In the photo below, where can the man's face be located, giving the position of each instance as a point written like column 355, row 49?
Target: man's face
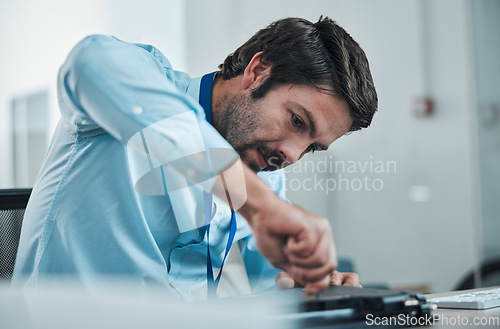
column 278, row 129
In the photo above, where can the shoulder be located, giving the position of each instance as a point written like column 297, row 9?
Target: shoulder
column 102, row 46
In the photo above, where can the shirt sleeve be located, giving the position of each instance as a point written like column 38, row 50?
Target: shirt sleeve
column 111, row 86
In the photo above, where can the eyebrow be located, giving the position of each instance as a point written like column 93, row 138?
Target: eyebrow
column 312, row 125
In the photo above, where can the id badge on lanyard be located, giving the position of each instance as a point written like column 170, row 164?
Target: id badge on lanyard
column 212, row 283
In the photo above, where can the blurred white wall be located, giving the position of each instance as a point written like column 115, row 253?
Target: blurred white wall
column 419, row 218
column 36, row 36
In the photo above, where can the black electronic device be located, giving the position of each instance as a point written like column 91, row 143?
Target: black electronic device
column 353, row 307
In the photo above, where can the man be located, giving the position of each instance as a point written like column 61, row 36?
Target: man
column 141, row 181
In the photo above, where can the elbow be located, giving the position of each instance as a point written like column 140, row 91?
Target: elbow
column 88, row 56
column 89, row 52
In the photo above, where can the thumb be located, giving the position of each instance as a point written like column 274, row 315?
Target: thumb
column 284, row 281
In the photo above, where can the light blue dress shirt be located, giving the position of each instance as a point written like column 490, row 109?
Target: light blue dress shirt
column 85, row 217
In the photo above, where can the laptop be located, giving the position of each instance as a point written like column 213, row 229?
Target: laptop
column 353, row 307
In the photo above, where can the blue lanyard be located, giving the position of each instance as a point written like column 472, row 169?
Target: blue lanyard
column 206, row 102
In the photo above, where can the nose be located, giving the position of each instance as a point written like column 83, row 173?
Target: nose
column 292, row 150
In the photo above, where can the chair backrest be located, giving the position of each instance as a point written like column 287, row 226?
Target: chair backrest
column 12, row 205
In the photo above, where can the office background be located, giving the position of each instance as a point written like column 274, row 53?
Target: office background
column 413, row 200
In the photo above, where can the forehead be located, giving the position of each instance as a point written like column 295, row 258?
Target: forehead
column 329, row 115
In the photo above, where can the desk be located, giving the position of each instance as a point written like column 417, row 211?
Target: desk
column 65, row 304
column 114, row 305
column 457, row 318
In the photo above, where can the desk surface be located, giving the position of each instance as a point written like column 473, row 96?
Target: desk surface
column 64, row 304
column 458, row 318
column 68, row 306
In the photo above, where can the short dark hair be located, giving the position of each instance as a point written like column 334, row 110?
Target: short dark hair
column 321, row 54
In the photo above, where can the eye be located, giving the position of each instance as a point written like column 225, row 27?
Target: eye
column 297, row 121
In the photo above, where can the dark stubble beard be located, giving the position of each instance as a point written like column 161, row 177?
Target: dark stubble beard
column 238, row 123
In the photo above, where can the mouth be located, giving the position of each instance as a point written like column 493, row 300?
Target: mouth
column 262, row 161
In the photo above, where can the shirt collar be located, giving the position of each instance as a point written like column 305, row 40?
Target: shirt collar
column 205, row 98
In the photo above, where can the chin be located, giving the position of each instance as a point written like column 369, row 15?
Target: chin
column 254, row 166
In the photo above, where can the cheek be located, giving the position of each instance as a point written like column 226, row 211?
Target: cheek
column 269, row 131
column 269, row 124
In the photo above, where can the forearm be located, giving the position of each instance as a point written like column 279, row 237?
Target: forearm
column 243, row 190
column 259, row 195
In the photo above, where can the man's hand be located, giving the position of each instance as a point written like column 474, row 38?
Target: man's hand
column 297, row 242
column 285, row 281
column 291, row 238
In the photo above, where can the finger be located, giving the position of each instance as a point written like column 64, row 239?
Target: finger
column 305, row 242
column 323, row 253
column 317, row 286
column 336, row 278
column 301, row 246
column 284, row 281
column 305, row 275
column 350, row 279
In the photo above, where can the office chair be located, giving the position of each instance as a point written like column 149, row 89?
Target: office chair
column 12, row 205
column 490, row 276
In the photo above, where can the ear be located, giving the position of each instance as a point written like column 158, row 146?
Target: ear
column 255, row 72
